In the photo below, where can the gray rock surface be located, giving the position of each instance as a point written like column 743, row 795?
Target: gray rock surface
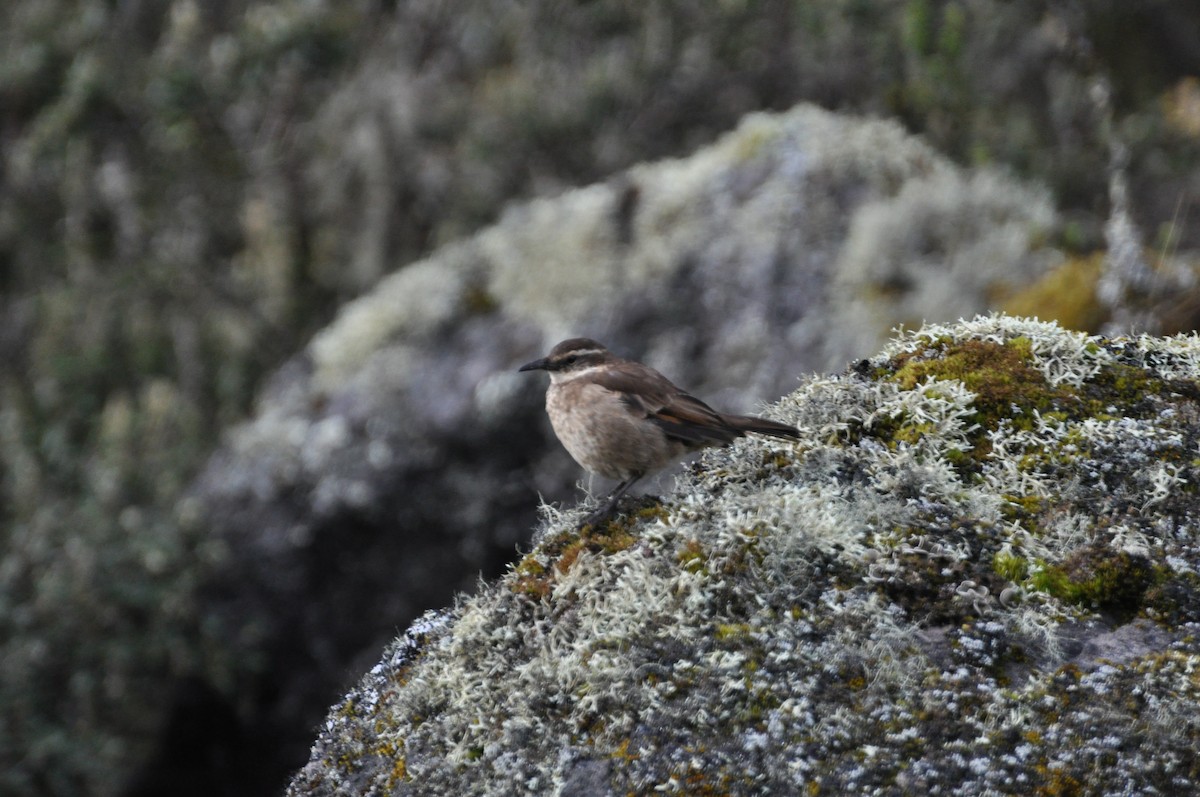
column 976, row 573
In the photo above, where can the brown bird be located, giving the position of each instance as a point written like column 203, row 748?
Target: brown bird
column 623, row 420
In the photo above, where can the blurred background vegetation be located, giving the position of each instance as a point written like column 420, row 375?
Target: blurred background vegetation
column 188, row 190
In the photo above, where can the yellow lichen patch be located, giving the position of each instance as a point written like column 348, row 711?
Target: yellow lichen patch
column 1066, row 294
column 1058, row 783
column 1181, row 106
column 399, row 771
column 622, row 752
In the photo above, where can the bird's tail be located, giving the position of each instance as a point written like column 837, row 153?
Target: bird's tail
column 749, row 423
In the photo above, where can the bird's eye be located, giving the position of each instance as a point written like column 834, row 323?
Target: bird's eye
column 570, row 360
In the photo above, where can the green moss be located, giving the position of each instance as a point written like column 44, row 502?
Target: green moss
column 1003, row 379
column 692, row 557
column 531, row 579
column 1001, row 375
column 747, row 555
column 731, row 631
column 1099, row 577
column 762, row 702
column 1010, row 567
column 959, row 458
column 1022, row 507
column 1126, row 386
column 535, row 574
column 924, row 585
column 1010, row 391
column 1175, row 599
column 911, row 433
column 645, row 514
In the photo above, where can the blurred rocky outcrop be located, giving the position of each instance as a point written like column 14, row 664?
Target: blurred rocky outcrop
column 977, row 572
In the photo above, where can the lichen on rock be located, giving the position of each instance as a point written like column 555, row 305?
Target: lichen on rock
column 978, row 576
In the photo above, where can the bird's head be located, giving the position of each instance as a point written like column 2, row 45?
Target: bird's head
column 571, row 357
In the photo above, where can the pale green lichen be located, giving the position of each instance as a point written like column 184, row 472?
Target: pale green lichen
column 409, row 303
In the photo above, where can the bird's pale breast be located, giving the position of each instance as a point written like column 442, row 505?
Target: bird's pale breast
column 603, row 435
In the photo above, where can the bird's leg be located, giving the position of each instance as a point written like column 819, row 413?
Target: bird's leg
column 610, row 502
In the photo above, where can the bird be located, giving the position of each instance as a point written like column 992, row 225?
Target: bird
column 623, row 420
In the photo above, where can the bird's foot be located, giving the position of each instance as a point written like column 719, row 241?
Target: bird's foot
column 609, row 510
column 606, row 511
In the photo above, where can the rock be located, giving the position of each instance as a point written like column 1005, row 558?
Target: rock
column 735, row 637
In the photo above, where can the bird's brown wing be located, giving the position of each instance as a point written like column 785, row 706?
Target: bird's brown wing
column 680, row 416
column 688, row 419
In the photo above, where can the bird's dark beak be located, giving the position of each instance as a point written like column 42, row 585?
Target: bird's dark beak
column 536, row 365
